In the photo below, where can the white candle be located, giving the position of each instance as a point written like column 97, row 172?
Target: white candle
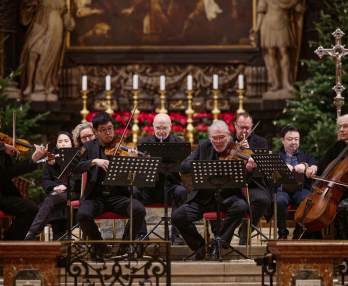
column 162, row 82
column 135, row 81
column 189, row 82
column 240, row 81
column 215, row 81
column 84, row 82
column 108, row 82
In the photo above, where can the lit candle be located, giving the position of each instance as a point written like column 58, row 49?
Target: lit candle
column 189, row 82
column 162, row 82
column 135, row 81
column 108, row 82
column 240, row 81
column 84, row 82
column 215, row 81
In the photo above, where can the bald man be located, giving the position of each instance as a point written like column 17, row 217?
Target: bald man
column 177, row 194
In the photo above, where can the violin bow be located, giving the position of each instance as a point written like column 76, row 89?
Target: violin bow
column 252, row 130
column 14, row 128
column 124, row 131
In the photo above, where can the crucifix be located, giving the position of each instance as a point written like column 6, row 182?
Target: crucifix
column 337, row 52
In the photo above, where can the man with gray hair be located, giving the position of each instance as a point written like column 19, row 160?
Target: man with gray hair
column 234, row 203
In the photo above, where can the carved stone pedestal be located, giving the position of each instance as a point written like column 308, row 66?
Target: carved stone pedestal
column 41, row 256
column 296, row 256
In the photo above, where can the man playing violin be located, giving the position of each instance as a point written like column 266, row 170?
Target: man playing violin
column 260, row 196
column 98, row 198
column 234, row 203
column 11, row 202
column 177, row 193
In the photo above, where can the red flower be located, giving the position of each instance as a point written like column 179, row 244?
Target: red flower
column 90, row 116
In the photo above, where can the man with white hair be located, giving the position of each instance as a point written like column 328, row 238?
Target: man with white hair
column 234, row 203
column 171, row 183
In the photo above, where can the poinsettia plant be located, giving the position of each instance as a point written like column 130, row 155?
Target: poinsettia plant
column 201, row 122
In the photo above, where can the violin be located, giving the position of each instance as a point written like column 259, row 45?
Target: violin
column 122, row 150
column 318, row 209
column 22, row 146
column 234, row 152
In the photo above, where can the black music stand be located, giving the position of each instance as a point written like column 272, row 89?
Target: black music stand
column 130, row 172
column 172, row 154
column 216, row 176
column 277, row 173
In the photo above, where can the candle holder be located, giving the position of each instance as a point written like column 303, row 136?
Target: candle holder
column 135, row 126
column 216, row 111
column 84, row 112
column 163, row 102
column 189, row 112
column 241, row 93
column 108, row 96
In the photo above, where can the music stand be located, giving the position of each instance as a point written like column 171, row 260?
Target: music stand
column 215, row 176
column 131, row 172
column 276, row 172
column 172, row 154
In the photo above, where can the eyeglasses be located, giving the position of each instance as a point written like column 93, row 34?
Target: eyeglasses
column 106, row 130
column 161, row 128
column 218, row 138
column 87, row 137
column 243, row 127
column 344, row 126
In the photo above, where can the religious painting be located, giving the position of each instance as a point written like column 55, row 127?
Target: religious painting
column 161, row 25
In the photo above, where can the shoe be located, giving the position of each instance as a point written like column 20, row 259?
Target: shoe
column 200, row 253
column 242, row 233
column 30, row 236
column 283, row 234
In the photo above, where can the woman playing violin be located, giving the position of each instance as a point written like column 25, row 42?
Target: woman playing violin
column 11, row 203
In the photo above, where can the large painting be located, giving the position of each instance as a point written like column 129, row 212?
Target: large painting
column 160, row 25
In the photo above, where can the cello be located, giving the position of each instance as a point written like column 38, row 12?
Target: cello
column 318, row 209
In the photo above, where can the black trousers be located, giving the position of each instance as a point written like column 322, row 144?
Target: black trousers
column 23, row 211
column 120, row 204
column 53, row 203
column 185, row 216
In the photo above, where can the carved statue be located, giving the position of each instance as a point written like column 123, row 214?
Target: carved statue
column 280, row 25
column 43, row 50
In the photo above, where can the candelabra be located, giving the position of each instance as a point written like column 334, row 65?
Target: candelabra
column 216, row 111
column 108, row 96
column 189, row 112
column 84, row 112
column 241, row 93
column 163, row 102
column 135, row 127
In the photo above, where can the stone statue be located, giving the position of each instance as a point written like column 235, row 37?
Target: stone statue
column 43, row 50
column 280, row 25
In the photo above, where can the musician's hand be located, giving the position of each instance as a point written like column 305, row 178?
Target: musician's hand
column 300, row 168
column 250, row 165
column 244, row 144
column 40, row 151
column 311, row 171
column 60, row 189
column 101, row 163
column 132, row 152
column 10, row 150
column 290, row 167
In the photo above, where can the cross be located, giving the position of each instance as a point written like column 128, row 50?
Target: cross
column 338, row 52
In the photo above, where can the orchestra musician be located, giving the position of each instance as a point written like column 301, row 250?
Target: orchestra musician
column 234, row 203
column 171, row 183
column 53, row 208
column 259, row 194
column 11, row 203
column 83, row 133
column 98, row 198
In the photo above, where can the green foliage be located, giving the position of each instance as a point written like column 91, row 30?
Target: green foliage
column 312, row 109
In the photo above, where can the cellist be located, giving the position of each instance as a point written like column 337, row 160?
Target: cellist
column 331, row 154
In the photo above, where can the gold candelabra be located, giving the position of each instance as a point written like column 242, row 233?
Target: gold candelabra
column 216, row 111
column 108, row 97
column 163, row 102
column 84, row 112
column 135, row 126
column 241, row 93
column 189, row 112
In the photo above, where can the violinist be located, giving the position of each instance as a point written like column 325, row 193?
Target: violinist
column 234, row 203
column 177, row 193
column 83, row 133
column 98, row 198
column 11, row 202
column 260, row 196
column 297, row 161
column 341, row 221
column 53, row 208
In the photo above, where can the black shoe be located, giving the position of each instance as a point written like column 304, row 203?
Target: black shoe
column 200, row 253
column 30, row 236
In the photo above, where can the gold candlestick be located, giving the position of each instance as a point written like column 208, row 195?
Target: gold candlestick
column 163, row 102
column 135, row 126
column 216, row 111
column 108, row 96
column 189, row 112
column 84, row 112
column 241, row 93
